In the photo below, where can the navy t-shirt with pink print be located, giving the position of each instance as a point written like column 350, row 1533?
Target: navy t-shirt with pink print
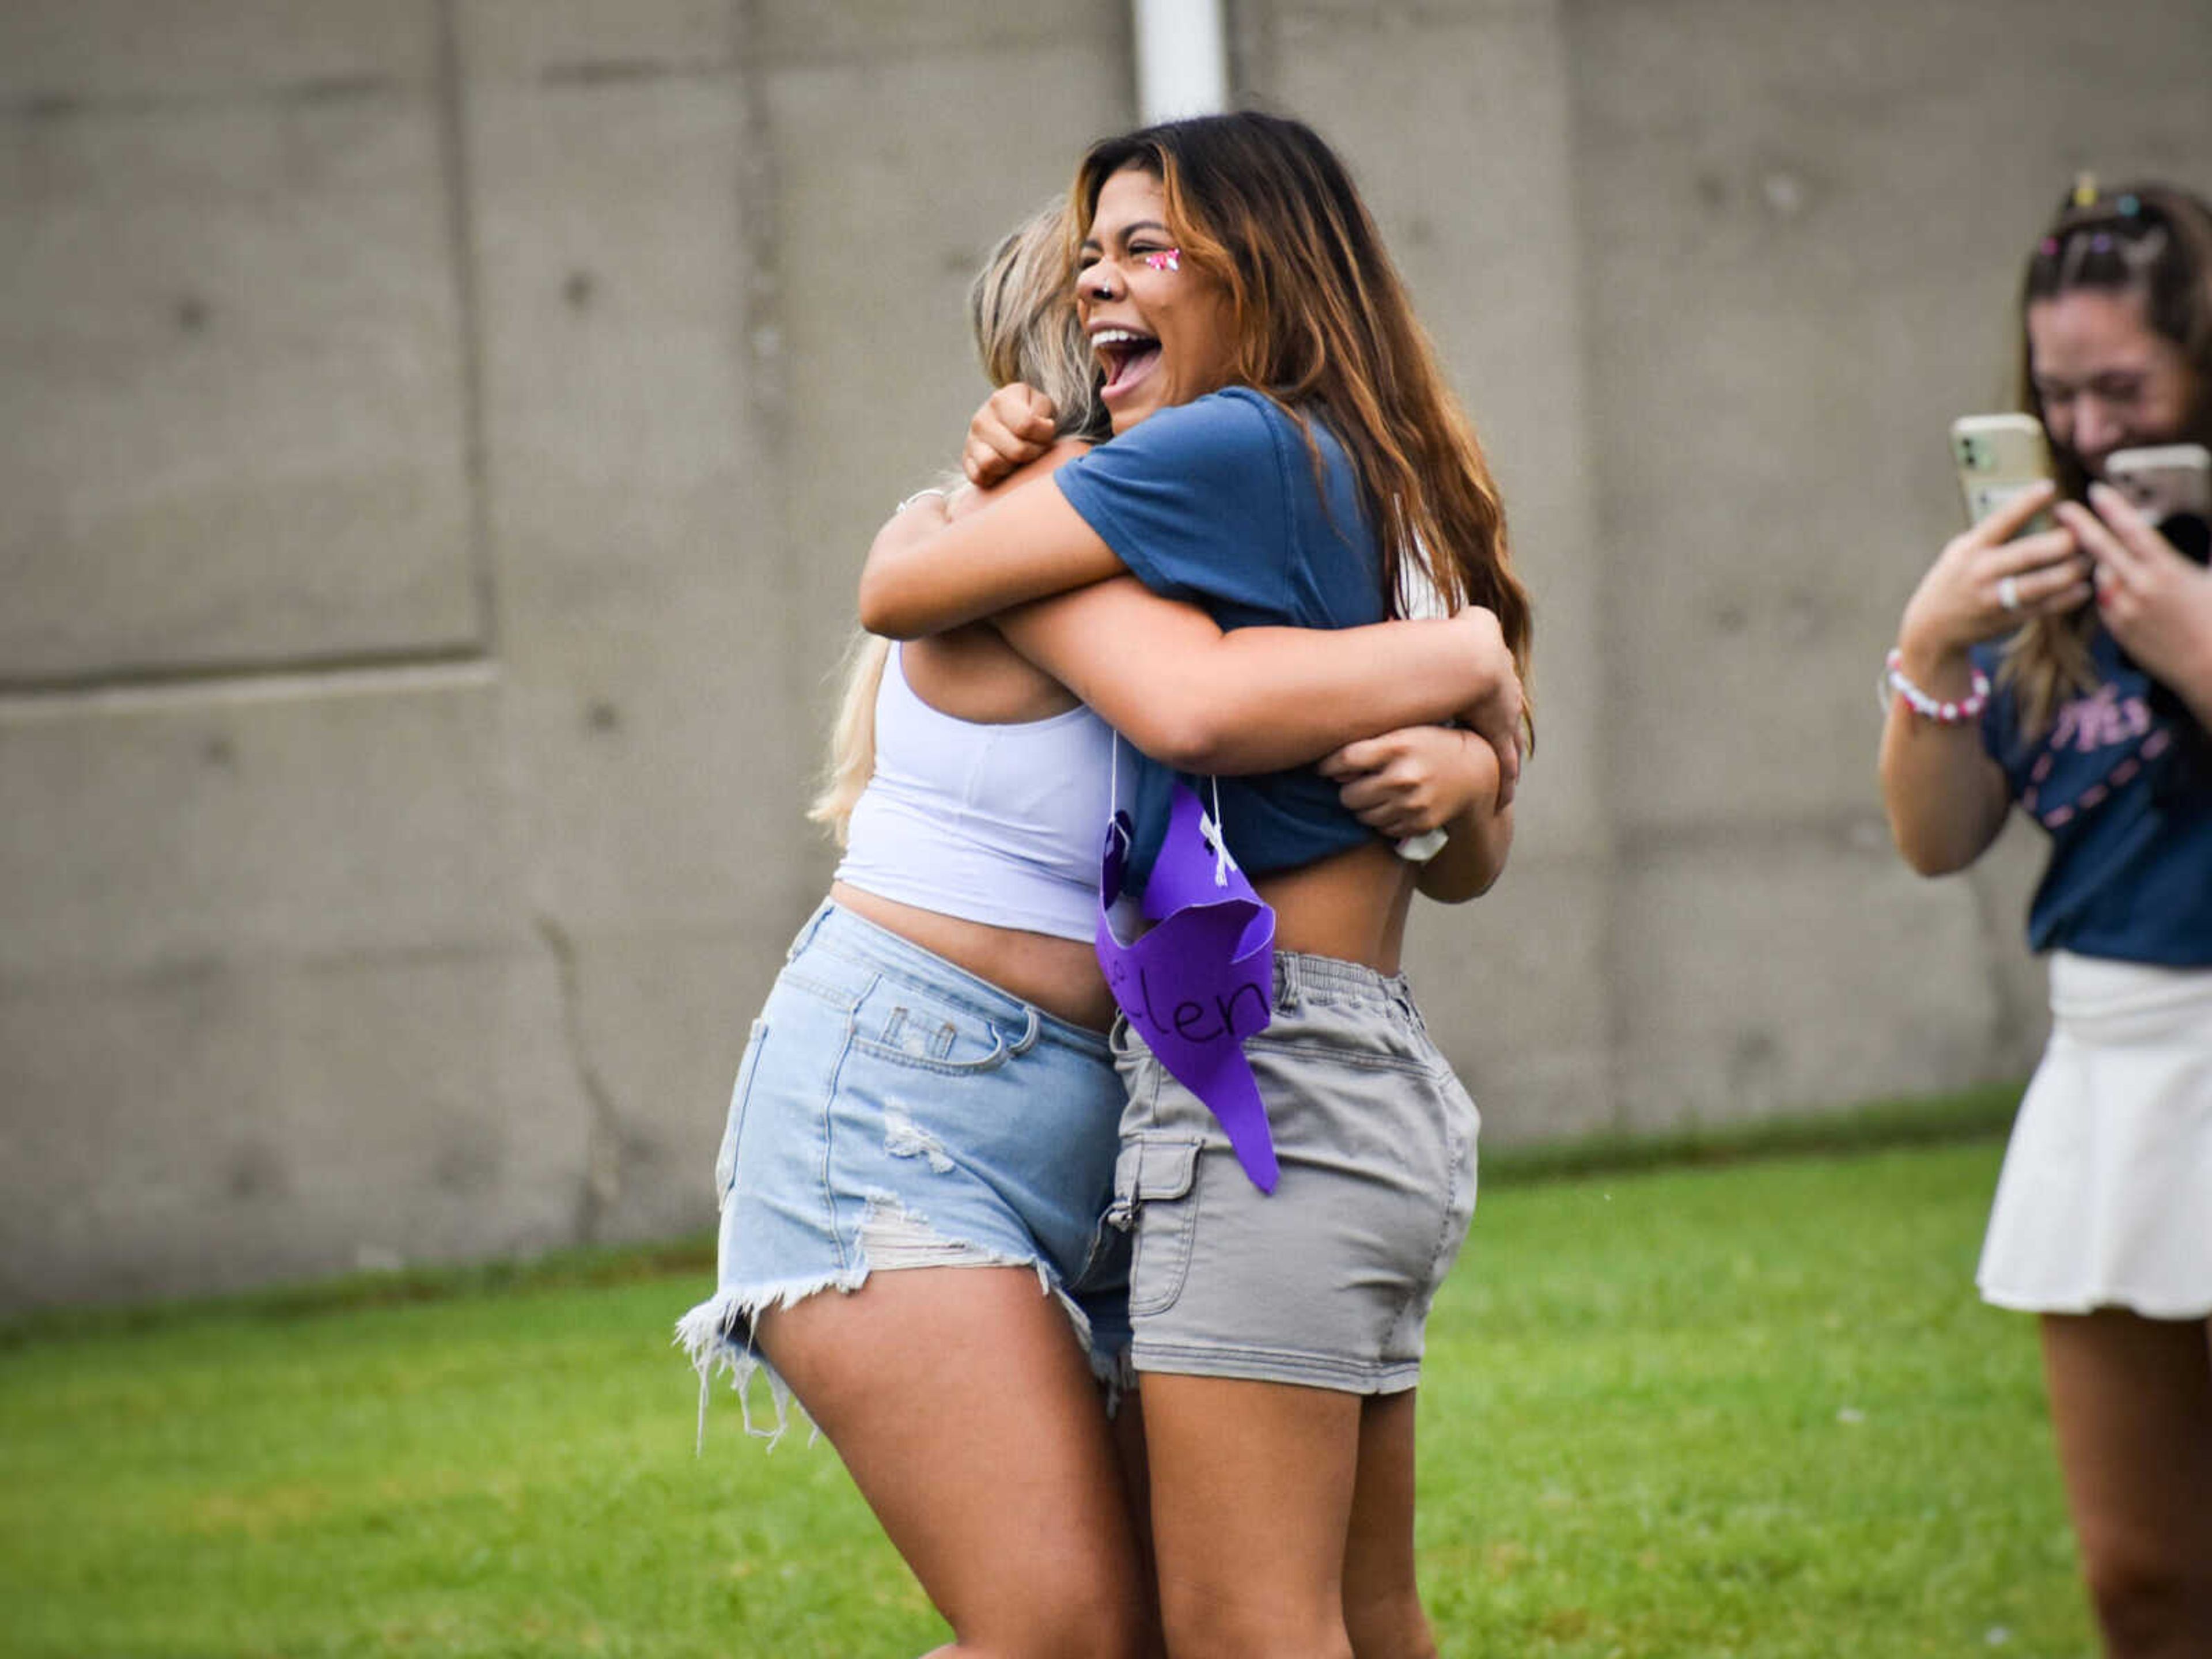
column 2122, row 783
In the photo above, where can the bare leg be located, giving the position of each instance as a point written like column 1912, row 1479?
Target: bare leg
column 2131, row 1402
column 968, row 1415
column 1382, row 1599
column 1136, row 1482
column 1252, row 1490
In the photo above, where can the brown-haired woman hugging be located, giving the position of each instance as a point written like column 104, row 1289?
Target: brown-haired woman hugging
column 1284, row 451
column 921, row 1141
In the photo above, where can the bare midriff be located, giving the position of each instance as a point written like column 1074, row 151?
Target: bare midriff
column 1351, row 905
column 1060, row 976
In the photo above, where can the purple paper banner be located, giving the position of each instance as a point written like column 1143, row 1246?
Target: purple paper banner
column 1201, row 980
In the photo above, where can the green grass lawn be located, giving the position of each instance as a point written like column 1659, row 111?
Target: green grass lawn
column 1748, row 1410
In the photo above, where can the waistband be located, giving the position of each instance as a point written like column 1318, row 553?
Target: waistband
column 2102, row 998
column 837, row 931
column 1300, row 977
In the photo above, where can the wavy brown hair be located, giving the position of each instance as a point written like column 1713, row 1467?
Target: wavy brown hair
column 1323, row 326
column 2154, row 241
column 1025, row 330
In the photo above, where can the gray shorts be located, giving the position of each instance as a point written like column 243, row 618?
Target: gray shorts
column 1326, row 1282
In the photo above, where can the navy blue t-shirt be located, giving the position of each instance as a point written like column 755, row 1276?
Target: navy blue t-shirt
column 1215, row 502
column 2122, row 783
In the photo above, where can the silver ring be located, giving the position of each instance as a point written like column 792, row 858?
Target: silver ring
column 2008, row 593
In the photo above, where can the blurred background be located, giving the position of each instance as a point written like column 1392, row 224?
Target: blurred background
column 438, row 440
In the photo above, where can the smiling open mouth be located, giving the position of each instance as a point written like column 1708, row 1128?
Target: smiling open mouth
column 1126, row 355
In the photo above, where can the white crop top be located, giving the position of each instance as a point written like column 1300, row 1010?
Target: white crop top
column 1001, row 824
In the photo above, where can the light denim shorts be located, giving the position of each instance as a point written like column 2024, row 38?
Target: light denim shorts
column 1326, row 1282
column 893, row 1110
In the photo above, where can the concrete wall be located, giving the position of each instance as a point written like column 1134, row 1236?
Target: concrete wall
column 439, row 438
column 1803, row 227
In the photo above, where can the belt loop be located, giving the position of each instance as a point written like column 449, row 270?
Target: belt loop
column 807, row 931
column 1404, row 1000
column 1286, row 979
column 1030, row 1033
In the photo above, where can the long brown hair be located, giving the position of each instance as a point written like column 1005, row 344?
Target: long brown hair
column 1025, row 330
column 2154, row 241
column 1264, row 206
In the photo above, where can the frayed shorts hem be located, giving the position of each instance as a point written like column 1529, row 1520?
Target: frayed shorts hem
column 717, row 1338
column 708, row 1335
column 1244, row 1365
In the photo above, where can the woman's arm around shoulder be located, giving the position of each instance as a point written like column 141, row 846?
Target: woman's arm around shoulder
column 929, row 569
column 1193, row 696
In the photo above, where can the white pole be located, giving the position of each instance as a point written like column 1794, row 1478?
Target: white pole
column 1183, row 59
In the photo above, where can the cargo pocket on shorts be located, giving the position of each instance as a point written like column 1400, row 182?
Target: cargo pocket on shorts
column 1155, row 1200
column 726, row 1161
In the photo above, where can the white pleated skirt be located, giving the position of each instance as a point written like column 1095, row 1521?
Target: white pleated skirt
column 2105, row 1197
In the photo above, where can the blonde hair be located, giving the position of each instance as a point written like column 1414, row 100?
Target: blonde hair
column 1026, row 331
column 2154, row 241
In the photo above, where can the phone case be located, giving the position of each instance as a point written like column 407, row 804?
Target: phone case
column 2158, row 483
column 2171, row 486
column 1997, row 457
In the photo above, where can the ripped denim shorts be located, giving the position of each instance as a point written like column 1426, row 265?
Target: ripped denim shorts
column 893, row 1110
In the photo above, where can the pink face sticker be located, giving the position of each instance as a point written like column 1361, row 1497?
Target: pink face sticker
column 1166, row 259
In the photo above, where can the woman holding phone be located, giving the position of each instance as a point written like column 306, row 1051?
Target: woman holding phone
column 2067, row 671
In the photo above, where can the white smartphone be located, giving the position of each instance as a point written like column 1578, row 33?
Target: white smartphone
column 2171, row 478
column 1997, row 457
column 2171, row 486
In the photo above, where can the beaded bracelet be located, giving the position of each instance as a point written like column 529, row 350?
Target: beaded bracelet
column 1930, row 708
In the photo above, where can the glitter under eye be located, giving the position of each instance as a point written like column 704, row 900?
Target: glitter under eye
column 1165, row 259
